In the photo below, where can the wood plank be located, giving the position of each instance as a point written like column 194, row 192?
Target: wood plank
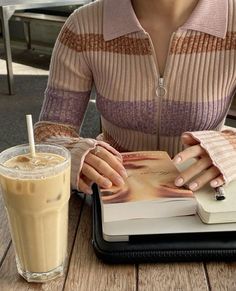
column 5, row 237
column 86, row 272
column 222, row 276
column 172, row 276
column 11, row 280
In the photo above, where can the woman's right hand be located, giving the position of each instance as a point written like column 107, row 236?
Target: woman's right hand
column 103, row 168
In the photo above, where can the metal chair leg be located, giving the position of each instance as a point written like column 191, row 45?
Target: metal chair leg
column 5, row 16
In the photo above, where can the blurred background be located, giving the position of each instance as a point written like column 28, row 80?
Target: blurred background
column 30, row 68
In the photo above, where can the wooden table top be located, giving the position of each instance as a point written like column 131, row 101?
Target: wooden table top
column 85, row 272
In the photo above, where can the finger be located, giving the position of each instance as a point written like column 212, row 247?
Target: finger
column 94, row 176
column 219, row 181
column 111, row 160
column 192, row 152
column 105, row 169
column 206, row 177
column 84, row 187
column 187, row 139
column 86, row 180
column 194, row 170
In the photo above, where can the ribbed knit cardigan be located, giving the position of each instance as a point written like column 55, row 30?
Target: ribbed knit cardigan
column 104, row 44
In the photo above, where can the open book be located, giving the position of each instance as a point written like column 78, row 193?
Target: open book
column 149, row 190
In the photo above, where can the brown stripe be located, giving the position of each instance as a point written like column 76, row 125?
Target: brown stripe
column 43, row 131
column 203, row 43
column 229, row 135
column 95, row 42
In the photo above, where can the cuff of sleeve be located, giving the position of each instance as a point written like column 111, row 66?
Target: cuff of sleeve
column 79, row 152
column 221, row 147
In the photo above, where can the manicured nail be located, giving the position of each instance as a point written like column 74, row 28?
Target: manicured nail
column 124, row 173
column 177, row 160
column 107, row 183
column 119, row 181
column 214, row 183
column 179, row 181
column 193, row 186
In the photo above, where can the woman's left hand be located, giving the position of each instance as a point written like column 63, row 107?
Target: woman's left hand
column 210, row 173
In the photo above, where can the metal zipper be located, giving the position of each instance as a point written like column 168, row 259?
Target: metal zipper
column 161, row 79
column 161, row 89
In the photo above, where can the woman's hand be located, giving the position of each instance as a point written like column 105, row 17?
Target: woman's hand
column 210, row 173
column 103, row 168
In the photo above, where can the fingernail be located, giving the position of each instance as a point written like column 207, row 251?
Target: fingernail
column 193, row 186
column 107, row 183
column 179, row 181
column 214, row 183
column 124, row 173
column 119, row 181
column 177, row 160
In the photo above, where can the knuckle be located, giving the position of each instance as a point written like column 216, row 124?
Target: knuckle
column 99, row 163
column 88, row 157
column 113, row 176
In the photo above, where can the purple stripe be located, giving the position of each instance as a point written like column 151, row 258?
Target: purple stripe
column 178, row 117
column 135, row 115
column 64, row 106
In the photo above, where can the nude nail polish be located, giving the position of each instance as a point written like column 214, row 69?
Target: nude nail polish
column 193, row 186
column 107, row 183
column 177, row 160
column 179, row 181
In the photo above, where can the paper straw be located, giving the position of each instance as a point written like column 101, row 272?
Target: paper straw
column 30, row 134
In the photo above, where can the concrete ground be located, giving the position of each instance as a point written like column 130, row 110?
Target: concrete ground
column 30, row 76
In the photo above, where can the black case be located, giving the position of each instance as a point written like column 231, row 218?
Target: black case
column 163, row 247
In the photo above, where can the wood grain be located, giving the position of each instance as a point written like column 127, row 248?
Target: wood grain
column 222, row 276
column 86, row 272
column 5, row 237
column 11, row 280
column 172, row 276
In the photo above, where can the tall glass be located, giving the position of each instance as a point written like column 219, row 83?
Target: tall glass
column 36, row 202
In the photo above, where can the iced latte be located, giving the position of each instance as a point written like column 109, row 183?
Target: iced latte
column 36, row 191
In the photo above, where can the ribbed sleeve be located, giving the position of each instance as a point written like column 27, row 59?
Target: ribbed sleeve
column 66, row 99
column 79, row 147
column 221, row 147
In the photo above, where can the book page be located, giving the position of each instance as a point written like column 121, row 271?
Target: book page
column 151, row 176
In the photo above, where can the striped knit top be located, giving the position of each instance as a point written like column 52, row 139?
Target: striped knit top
column 104, row 44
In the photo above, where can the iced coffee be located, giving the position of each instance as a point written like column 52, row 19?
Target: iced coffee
column 36, row 191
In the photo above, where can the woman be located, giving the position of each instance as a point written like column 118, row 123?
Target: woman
column 162, row 69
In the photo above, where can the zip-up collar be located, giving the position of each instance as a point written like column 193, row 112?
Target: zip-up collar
column 209, row 16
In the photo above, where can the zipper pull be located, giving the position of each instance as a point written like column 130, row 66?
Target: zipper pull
column 161, row 90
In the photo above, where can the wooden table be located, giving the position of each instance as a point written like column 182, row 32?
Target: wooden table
column 85, row 272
